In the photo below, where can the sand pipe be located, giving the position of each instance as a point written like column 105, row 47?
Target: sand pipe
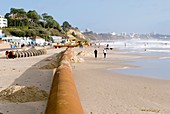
column 29, row 53
column 63, row 98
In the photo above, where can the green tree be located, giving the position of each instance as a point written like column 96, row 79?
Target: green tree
column 13, row 11
column 18, row 33
column 44, row 15
column 50, row 22
column 55, row 32
column 21, row 14
column 29, row 24
column 7, row 15
column 16, row 17
column 66, row 26
column 33, row 16
column 18, row 13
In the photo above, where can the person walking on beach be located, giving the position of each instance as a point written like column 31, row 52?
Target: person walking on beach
column 95, row 53
column 104, row 52
column 107, row 45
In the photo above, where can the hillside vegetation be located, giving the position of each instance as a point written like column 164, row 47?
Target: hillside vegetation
column 29, row 24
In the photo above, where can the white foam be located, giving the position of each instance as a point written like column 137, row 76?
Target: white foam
column 123, row 68
column 164, row 57
column 158, row 50
column 139, row 44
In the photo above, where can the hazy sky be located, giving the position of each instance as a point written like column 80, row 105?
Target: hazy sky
column 142, row 16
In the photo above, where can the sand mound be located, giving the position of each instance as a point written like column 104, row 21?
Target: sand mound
column 84, row 53
column 23, row 94
column 49, row 66
column 52, row 64
column 76, row 59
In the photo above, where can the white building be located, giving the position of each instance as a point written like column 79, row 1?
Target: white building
column 3, row 22
column 57, row 38
column 38, row 40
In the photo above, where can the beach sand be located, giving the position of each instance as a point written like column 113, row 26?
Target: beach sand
column 26, row 72
column 101, row 90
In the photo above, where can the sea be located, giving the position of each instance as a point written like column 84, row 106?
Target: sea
column 148, row 67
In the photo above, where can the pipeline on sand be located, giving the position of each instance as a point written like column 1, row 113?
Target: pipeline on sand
column 63, row 98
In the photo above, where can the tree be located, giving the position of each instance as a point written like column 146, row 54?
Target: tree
column 18, row 13
column 21, row 14
column 29, row 24
column 44, row 15
column 18, row 33
column 7, row 15
column 50, row 22
column 13, row 11
column 33, row 16
column 16, row 17
column 54, row 32
column 66, row 26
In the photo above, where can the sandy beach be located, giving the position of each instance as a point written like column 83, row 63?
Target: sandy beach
column 101, row 90
column 26, row 72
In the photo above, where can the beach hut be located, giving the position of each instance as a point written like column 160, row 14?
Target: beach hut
column 57, row 39
column 11, row 39
column 38, row 40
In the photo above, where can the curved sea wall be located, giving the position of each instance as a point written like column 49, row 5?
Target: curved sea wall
column 63, row 98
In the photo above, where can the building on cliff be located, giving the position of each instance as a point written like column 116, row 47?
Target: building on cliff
column 3, row 22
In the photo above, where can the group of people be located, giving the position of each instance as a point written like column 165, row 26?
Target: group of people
column 14, row 44
column 104, row 52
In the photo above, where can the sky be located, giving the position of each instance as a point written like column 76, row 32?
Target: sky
column 102, row 16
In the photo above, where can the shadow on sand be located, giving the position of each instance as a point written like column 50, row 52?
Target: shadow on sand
column 39, row 76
